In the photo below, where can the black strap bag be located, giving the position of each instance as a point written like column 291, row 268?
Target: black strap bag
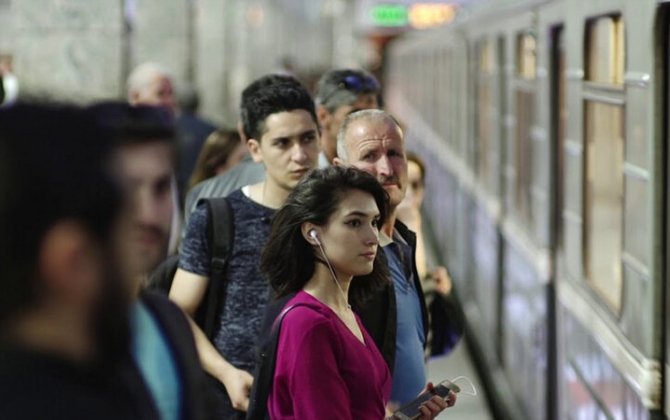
column 220, row 231
column 265, row 370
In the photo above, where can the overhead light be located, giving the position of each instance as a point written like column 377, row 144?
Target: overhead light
column 428, row 15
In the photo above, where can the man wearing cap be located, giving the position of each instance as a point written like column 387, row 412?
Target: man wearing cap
column 340, row 93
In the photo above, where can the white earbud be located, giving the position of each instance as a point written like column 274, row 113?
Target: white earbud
column 314, row 235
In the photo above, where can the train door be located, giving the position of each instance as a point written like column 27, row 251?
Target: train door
column 608, row 334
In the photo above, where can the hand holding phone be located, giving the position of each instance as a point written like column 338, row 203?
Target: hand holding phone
column 411, row 410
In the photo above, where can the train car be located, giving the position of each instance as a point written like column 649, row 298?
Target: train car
column 544, row 124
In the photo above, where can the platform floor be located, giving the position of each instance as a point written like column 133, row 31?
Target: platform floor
column 458, row 363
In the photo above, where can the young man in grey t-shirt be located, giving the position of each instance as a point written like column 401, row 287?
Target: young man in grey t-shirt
column 281, row 127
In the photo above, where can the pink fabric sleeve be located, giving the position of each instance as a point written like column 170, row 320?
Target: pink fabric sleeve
column 317, row 388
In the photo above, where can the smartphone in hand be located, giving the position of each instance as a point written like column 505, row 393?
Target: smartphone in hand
column 411, row 411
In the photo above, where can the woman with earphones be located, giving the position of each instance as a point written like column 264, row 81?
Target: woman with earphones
column 324, row 248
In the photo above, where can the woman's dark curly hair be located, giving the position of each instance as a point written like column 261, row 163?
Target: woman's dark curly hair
column 288, row 259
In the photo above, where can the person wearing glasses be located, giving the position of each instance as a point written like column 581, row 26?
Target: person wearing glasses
column 338, row 94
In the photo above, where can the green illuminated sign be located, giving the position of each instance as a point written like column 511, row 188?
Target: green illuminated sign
column 389, row 15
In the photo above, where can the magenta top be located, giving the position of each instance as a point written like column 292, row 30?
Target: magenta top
column 323, row 371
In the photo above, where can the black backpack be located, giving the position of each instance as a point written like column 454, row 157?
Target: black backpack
column 267, row 359
column 220, row 231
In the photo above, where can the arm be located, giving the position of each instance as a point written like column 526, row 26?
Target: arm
column 188, row 290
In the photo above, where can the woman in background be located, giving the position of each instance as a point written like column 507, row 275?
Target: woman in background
column 222, row 150
column 446, row 326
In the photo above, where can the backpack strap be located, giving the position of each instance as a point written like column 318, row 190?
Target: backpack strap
column 265, row 370
column 221, row 232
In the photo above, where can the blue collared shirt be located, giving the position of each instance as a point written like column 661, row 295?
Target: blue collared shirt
column 409, row 372
column 153, row 356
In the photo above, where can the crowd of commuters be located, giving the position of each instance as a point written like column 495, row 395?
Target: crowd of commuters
column 314, row 191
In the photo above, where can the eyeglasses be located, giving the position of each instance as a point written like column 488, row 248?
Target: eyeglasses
column 356, row 84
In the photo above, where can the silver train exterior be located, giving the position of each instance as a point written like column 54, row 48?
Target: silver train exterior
column 544, row 126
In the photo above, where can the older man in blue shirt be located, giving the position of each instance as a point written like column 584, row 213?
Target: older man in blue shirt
column 396, row 317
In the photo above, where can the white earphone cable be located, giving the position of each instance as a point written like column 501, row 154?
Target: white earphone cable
column 472, row 386
column 332, row 273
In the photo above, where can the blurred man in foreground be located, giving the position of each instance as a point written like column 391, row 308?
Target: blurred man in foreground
column 161, row 341
column 63, row 324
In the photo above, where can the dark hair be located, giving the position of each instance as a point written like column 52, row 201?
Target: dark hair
column 50, row 171
column 269, row 95
column 288, row 259
column 135, row 124
column 215, row 152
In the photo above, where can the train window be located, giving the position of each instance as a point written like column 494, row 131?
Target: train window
column 525, row 97
column 484, row 105
column 604, row 133
column 605, row 50
column 525, row 108
column 486, row 57
column 526, row 56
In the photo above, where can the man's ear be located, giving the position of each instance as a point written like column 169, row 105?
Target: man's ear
column 337, row 161
column 254, row 147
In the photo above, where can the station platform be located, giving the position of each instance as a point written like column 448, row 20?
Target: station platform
column 459, row 363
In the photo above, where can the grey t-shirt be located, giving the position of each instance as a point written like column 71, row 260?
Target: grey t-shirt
column 247, row 291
